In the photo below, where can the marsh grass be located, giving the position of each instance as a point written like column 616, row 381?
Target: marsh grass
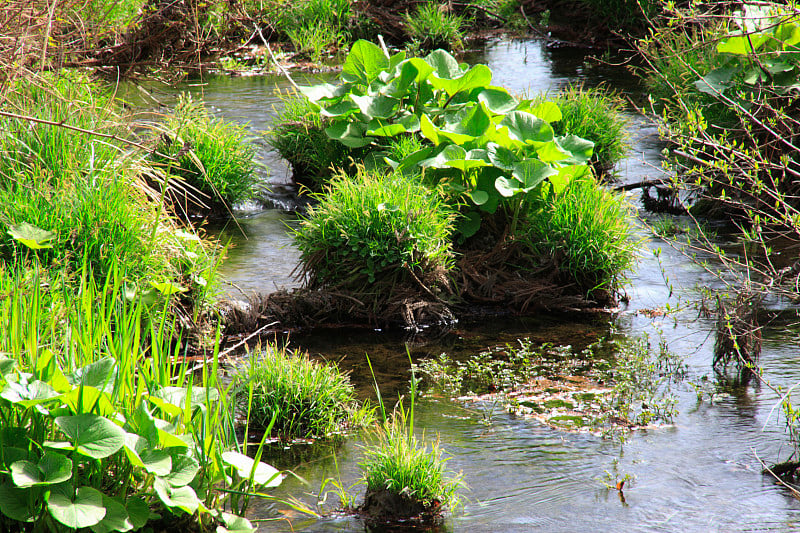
column 293, row 397
column 214, row 156
column 406, row 477
column 432, row 25
column 586, row 234
column 84, row 191
column 594, row 114
column 299, row 137
column 374, row 227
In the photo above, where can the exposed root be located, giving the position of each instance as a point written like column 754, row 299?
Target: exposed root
column 738, row 335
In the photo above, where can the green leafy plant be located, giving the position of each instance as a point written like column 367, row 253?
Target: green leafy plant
column 103, row 427
column 432, row 25
column 593, row 114
column 213, row 157
column 299, row 136
column 292, row 396
column 485, row 148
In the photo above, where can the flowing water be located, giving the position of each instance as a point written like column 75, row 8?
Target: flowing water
column 699, row 474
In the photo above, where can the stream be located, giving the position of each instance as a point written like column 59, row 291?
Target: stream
column 699, row 474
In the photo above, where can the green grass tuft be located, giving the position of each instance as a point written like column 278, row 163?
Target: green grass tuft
column 433, row 26
column 214, row 156
column 307, row 399
column 585, row 232
column 403, row 465
column 374, row 227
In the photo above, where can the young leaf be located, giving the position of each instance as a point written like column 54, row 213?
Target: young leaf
column 527, row 128
column 478, row 76
column 51, row 469
column 498, row 100
column 444, row 65
column 547, row 111
column 364, row 63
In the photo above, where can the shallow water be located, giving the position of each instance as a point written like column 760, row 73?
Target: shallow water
column 699, row 474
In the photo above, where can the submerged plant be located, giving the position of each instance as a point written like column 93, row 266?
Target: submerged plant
column 213, row 157
column 291, row 396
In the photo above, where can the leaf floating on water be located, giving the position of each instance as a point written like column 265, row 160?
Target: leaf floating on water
column 31, row 236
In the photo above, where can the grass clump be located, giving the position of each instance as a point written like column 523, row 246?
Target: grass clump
column 294, row 397
column 585, row 232
column 375, row 228
column 299, row 137
column 213, row 156
column 406, row 468
column 593, row 114
column 433, row 25
column 78, row 199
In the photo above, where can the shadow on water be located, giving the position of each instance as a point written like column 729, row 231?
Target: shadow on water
column 699, row 474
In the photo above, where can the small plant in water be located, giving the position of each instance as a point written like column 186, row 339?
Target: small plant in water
column 404, row 476
column 214, row 157
column 291, row 396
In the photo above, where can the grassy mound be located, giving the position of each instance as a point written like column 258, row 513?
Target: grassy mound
column 585, row 232
column 375, row 234
column 213, row 157
column 304, row 398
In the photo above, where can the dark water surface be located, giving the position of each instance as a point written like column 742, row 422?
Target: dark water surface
column 701, row 474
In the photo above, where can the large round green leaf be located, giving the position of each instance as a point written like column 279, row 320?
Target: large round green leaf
column 83, row 509
column 52, row 468
column 92, row 435
column 14, row 503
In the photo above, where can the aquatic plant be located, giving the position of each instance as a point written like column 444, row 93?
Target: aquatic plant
column 72, row 197
column 375, row 228
column 585, row 231
column 432, row 25
column 103, row 424
column 405, row 477
column 291, row 396
column 593, row 114
column 485, row 149
column 213, row 156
